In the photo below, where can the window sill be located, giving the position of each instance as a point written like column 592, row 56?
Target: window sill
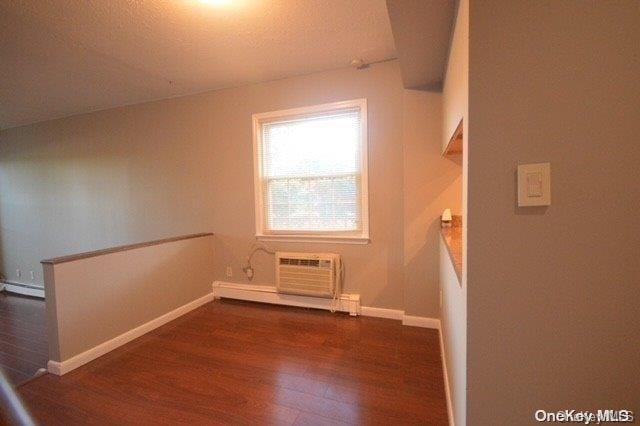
column 328, row 239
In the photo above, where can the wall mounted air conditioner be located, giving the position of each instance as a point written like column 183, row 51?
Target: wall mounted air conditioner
column 309, row 274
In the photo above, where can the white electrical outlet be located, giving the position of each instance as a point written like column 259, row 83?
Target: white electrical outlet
column 229, row 271
column 32, row 274
column 18, row 273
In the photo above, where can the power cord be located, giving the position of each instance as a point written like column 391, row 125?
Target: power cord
column 340, row 270
column 255, row 247
column 339, row 273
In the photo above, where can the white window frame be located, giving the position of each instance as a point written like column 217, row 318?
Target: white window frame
column 262, row 233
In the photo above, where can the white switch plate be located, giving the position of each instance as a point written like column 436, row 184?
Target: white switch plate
column 534, row 185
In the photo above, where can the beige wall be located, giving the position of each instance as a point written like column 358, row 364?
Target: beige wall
column 553, row 292
column 431, row 184
column 454, row 292
column 454, row 335
column 93, row 300
column 185, row 165
column 375, row 270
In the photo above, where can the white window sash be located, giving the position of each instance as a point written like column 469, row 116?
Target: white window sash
column 356, row 231
column 360, row 235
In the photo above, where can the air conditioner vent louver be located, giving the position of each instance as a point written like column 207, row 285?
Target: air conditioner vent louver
column 300, row 262
column 308, row 274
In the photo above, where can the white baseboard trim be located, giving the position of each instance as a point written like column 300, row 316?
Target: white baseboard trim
column 268, row 294
column 447, row 388
column 23, row 289
column 395, row 314
column 421, row 322
column 60, row 368
column 346, row 303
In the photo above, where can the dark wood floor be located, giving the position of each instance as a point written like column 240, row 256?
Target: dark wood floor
column 23, row 338
column 243, row 363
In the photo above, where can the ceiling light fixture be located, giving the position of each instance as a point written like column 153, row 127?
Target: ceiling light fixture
column 359, row 64
column 216, row 2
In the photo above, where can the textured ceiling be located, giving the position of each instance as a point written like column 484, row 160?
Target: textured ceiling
column 422, row 33
column 64, row 57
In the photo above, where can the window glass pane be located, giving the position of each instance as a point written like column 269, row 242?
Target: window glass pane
column 317, row 146
column 316, row 204
column 311, row 173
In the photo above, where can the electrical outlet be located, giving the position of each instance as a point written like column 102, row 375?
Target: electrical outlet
column 441, row 298
column 32, row 275
column 18, row 273
column 229, row 271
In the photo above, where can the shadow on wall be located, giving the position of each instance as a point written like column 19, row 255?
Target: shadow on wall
column 423, row 268
column 424, row 202
column 455, row 159
column 393, row 273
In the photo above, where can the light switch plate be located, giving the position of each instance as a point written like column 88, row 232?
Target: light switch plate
column 534, row 185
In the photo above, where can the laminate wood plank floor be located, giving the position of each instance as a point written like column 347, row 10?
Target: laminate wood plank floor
column 231, row 362
column 23, row 337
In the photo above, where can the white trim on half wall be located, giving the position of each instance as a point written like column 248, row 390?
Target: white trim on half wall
column 60, row 368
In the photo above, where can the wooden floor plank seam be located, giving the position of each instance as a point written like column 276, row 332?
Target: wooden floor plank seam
column 23, row 341
column 231, row 362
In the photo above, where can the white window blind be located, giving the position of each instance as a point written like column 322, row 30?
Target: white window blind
column 311, row 172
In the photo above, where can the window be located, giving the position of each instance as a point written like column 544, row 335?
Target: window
column 311, row 173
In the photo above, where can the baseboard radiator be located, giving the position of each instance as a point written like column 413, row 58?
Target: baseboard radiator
column 311, row 280
column 269, row 294
column 22, row 289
